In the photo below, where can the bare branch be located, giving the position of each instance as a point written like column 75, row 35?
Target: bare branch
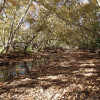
column 3, row 5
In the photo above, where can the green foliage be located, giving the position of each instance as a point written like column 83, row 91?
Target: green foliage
column 49, row 23
column 29, row 51
column 93, row 44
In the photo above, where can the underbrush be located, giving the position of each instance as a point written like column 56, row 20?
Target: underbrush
column 92, row 45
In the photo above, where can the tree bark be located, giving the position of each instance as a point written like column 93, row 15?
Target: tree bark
column 3, row 5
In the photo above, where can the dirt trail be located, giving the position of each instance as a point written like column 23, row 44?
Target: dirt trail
column 74, row 75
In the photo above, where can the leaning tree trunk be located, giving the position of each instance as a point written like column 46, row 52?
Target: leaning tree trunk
column 8, row 49
column 25, row 49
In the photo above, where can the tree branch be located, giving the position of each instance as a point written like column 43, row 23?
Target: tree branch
column 75, row 24
column 2, row 7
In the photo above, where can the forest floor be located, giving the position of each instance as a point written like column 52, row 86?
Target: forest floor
column 73, row 75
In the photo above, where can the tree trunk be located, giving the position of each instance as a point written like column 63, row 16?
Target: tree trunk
column 8, row 49
column 25, row 49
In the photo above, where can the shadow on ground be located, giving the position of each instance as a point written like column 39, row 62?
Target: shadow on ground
column 72, row 76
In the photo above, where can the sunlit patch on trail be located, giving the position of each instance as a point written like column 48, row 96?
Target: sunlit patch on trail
column 88, row 64
column 89, row 70
column 75, row 72
column 66, row 63
column 87, row 74
column 52, row 77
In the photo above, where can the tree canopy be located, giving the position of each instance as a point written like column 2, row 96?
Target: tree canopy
column 37, row 24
